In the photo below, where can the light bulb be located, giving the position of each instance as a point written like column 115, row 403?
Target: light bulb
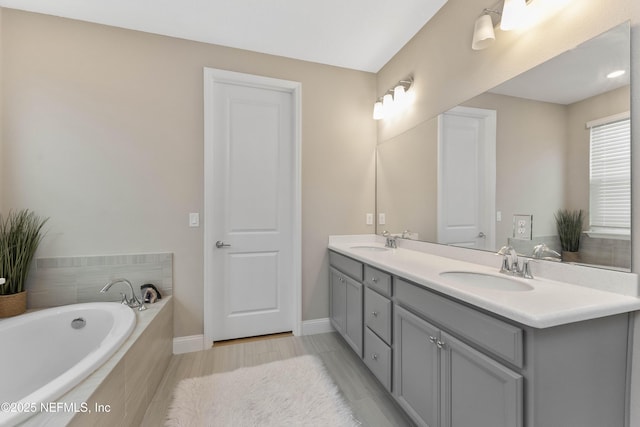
column 513, row 14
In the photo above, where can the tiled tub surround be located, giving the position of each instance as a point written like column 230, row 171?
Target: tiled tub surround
column 127, row 381
column 69, row 280
column 562, row 294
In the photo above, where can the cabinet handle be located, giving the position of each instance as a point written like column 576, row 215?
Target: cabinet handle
column 440, row 344
column 374, row 313
column 374, row 279
column 433, row 340
column 374, row 356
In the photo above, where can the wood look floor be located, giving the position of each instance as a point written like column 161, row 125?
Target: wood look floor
column 371, row 404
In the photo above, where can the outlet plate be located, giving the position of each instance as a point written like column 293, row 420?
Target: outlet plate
column 522, row 227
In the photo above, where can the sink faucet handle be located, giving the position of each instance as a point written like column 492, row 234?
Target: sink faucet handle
column 526, row 269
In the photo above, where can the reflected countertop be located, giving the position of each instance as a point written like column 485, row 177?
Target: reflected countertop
column 546, row 304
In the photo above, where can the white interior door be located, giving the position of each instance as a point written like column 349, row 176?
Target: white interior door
column 466, row 177
column 250, row 208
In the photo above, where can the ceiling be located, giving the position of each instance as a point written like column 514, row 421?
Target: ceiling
column 577, row 74
column 357, row 34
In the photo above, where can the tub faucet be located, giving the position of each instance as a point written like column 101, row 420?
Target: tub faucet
column 132, row 302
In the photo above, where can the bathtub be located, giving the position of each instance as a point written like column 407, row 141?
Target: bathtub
column 43, row 354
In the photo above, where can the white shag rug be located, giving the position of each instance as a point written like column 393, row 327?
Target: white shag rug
column 290, row 392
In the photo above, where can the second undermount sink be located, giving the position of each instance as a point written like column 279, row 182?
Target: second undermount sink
column 371, row 248
column 485, row 281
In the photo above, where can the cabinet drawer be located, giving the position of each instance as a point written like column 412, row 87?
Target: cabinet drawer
column 377, row 356
column 347, row 265
column 498, row 337
column 378, row 280
column 377, row 310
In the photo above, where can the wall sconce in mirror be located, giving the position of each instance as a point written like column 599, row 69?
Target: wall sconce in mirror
column 393, row 100
column 510, row 16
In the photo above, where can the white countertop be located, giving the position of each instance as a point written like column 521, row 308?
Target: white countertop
column 549, row 303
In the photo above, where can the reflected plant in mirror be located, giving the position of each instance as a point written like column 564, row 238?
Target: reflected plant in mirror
column 555, row 137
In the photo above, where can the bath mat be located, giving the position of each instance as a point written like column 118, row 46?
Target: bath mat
column 290, row 392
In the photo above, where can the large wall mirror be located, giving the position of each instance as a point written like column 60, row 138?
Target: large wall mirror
column 495, row 170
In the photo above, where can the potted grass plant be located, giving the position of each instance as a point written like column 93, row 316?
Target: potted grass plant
column 569, row 224
column 20, row 234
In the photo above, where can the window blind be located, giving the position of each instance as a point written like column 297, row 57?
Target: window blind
column 610, row 175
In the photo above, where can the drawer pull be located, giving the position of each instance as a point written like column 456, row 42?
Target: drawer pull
column 374, row 356
column 433, row 340
column 440, row 344
column 374, row 313
column 374, row 279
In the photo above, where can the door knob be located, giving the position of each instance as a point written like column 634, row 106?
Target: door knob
column 481, row 235
column 221, row 244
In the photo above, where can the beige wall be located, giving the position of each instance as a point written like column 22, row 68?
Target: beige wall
column 530, row 161
column 104, row 134
column 407, row 177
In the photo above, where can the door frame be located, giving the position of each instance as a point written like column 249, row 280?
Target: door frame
column 212, row 76
column 490, row 141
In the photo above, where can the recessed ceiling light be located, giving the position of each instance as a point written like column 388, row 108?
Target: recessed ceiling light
column 614, row 74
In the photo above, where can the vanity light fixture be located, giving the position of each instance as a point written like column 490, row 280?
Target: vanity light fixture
column 510, row 16
column 393, row 99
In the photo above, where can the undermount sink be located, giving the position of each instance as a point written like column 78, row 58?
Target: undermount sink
column 371, row 248
column 486, row 281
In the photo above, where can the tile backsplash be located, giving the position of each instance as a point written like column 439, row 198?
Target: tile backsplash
column 69, row 280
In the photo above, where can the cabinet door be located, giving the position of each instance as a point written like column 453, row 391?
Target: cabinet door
column 416, row 367
column 353, row 329
column 338, row 300
column 477, row 391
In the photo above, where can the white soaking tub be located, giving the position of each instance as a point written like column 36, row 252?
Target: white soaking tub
column 45, row 353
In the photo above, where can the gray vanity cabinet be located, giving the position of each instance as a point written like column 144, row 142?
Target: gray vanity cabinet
column 417, row 368
column 346, row 299
column 451, row 364
column 442, row 382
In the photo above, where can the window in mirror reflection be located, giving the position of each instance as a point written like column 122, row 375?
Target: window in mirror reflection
column 610, row 176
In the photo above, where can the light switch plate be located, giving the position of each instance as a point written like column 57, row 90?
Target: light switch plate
column 382, row 219
column 369, row 219
column 194, row 219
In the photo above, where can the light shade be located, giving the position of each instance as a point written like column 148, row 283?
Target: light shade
column 378, row 112
column 483, row 34
column 399, row 94
column 387, row 105
column 513, row 14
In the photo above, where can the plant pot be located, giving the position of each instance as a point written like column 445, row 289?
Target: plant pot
column 13, row 304
column 568, row 256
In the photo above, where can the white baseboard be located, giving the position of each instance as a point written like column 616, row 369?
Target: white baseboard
column 188, row 344
column 193, row 343
column 316, row 326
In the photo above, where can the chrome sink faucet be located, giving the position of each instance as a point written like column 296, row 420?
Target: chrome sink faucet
column 390, row 240
column 511, row 265
column 509, row 260
column 132, row 302
column 542, row 251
